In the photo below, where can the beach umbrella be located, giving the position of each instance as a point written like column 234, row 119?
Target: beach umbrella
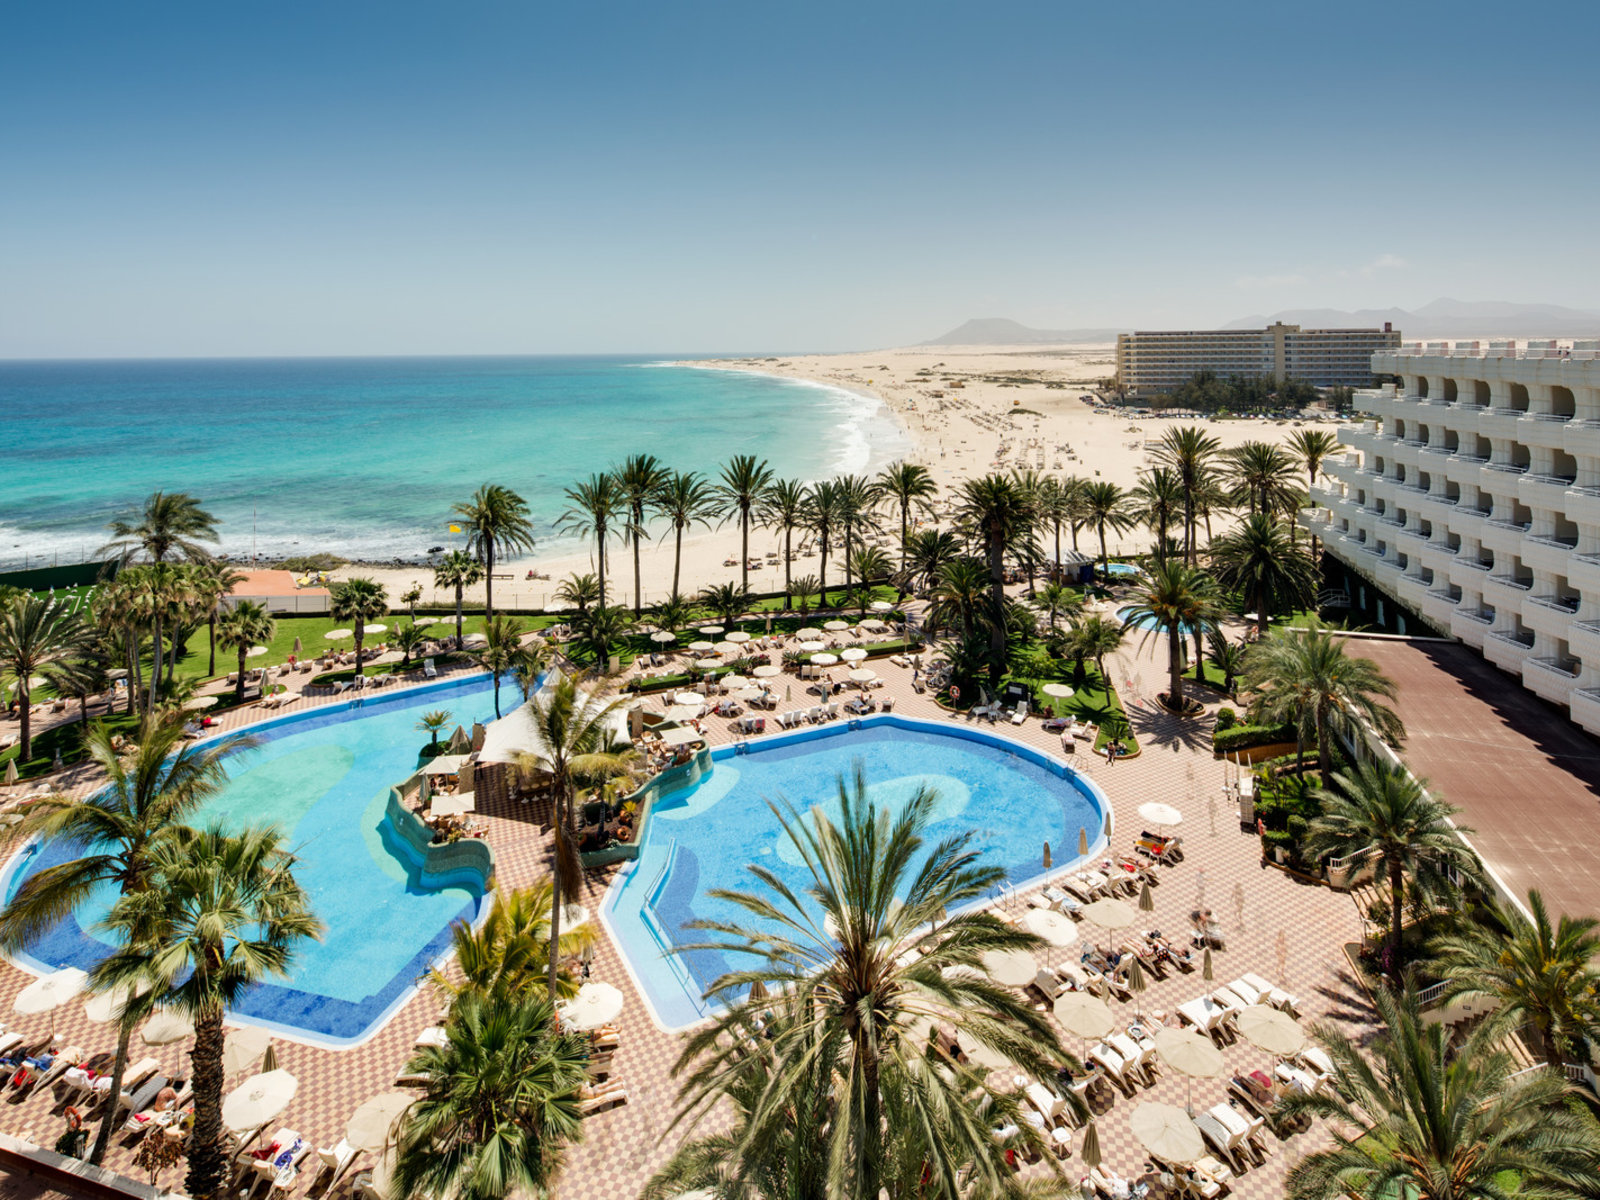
column 701, row 647
column 1052, row 926
column 835, row 626
column 688, row 698
column 244, row 1048
column 1083, row 1015
column 824, row 659
column 1147, row 901
column 1110, row 914
column 853, row 654
column 200, row 703
column 1010, row 968
column 1091, row 1146
column 459, row 742
column 298, row 649
column 1136, row 983
column 378, row 628
column 49, row 992
column 738, row 637
column 1059, row 690
column 255, row 652
column 862, row 674
column 1191, row 1055
column 881, row 606
column 595, row 1005
column 1166, row 1132
column 1083, row 839
column 338, row 635
column 767, row 672
column 1047, row 856
column 165, row 1028
column 104, row 1007
column 11, row 773
column 372, row 1123
column 757, row 993
column 573, row 915
column 1160, row 814
column 808, row 633
column 711, row 630
column 269, row 1060
column 1271, row 1030
column 1205, row 966
column 726, row 648
column 257, row 1100
column 812, row 647
column 661, row 637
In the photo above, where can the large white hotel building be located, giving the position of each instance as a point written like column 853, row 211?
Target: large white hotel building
column 1471, row 495
column 1151, row 362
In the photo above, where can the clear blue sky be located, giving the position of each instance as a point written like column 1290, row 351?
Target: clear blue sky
column 466, row 177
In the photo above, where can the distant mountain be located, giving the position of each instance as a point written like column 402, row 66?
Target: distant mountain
column 1000, row 331
column 1445, row 318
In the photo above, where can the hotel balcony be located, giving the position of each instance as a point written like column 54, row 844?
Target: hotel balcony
column 1544, row 491
column 1500, row 423
column 1585, row 707
column 1546, row 553
column 1584, row 639
column 1551, row 679
column 1549, row 616
column 1507, row 651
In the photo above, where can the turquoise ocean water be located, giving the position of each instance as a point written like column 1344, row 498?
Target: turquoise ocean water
column 364, row 457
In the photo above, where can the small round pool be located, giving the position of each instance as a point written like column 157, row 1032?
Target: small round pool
column 1148, row 622
column 1122, row 570
column 703, row 837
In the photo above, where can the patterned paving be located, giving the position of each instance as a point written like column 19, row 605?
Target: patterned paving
column 1275, row 926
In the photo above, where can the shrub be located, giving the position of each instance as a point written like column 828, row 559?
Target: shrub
column 1242, row 737
column 1226, row 719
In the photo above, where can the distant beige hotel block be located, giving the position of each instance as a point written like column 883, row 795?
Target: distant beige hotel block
column 1152, row 362
column 1471, row 495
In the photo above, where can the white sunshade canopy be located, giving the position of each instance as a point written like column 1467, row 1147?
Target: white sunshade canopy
column 515, row 733
column 257, row 1100
column 1158, row 813
column 593, row 1006
column 50, row 991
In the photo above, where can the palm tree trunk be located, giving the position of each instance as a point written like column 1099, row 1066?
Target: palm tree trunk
column 155, row 667
column 361, row 636
column 677, row 558
column 1396, row 897
column 1324, row 748
column 1105, row 561
column 788, row 553
column 871, row 1121
column 905, row 521
column 997, row 602
column 1188, row 525
column 1056, row 522
column 119, row 1065
column 26, row 718
column 556, row 817
column 638, row 594
column 822, row 570
column 459, row 590
column 744, row 548
column 132, row 658
column 211, row 641
column 488, row 580
column 1174, row 669
column 238, row 691
column 600, row 561
column 208, row 1163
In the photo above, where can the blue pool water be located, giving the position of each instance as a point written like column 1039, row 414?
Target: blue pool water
column 1120, row 570
column 322, row 777
column 1148, row 622
column 703, row 837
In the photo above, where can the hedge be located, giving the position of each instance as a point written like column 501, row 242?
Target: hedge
column 1242, row 737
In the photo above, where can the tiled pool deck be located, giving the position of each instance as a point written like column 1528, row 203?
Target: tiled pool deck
column 1275, row 926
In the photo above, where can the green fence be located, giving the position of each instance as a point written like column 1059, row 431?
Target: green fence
column 42, row 579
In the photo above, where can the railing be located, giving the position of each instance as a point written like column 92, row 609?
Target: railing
column 1562, row 417
column 1516, row 526
column 1429, row 997
column 1559, row 603
column 1477, row 615
column 1546, row 540
column 1477, row 564
column 1512, row 581
column 1445, row 594
column 1561, row 481
column 1567, row 668
column 1501, row 635
column 1508, row 468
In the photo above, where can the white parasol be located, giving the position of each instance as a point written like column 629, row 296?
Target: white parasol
column 1271, row 1030
column 691, row 699
column 701, row 647
column 255, row 652
column 372, row 1123
column 808, row 633
column 105, row 1007
column 1167, row 1132
column 824, row 659
column 243, row 1049
column 1059, row 690
column 1010, row 968
column 881, row 606
column 863, row 675
column 380, row 627
column 593, row 1006
column 1189, row 1054
column 661, row 637
column 1158, row 813
column 257, row 1100
column 836, row 626
column 711, row 630
column 1083, row 1015
column 200, row 703
column 738, row 637
column 1110, row 914
column 338, row 635
column 853, row 654
column 165, row 1028
column 1051, row 926
column 50, row 992
column 767, row 672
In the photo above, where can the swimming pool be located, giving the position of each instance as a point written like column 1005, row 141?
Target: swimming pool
column 1147, row 622
column 702, row 837
column 1121, row 570
column 323, row 778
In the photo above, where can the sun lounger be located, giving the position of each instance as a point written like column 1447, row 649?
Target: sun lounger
column 1243, row 1132
column 594, row 1103
column 433, row 1035
column 1135, row 1059
column 1048, row 982
column 1315, row 1059
column 1218, row 1138
column 1276, row 996
column 138, row 1099
column 1301, row 1080
column 1234, row 1003
column 1020, row 713
column 1204, row 1014
column 429, row 670
column 1115, row 1068
column 1072, row 975
column 1108, row 982
column 336, row 1162
column 1045, row 1102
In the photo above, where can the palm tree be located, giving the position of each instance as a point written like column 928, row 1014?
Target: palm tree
column 579, row 592
column 852, row 998
column 359, row 600
column 594, row 504
column 1413, row 1115
column 745, row 480
column 1540, row 972
column 639, row 479
column 1058, row 600
column 868, row 563
column 1176, row 600
column 1056, row 501
column 1262, row 475
column 806, row 589
column 410, row 638
column 574, row 737
column 684, row 499
column 1227, row 657
column 600, row 629
column 673, row 613
column 1098, row 636
column 225, row 915
column 458, row 570
column 244, row 625
column 999, row 510
column 1313, row 447
column 1259, row 560
column 159, row 591
column 169, row 521
column 726, row 600
column 958, row 596
column 1106, row 506
column 823, row 518
column 906, row 484
column 1158, row 503
column 1188, row 451
column 409, row 598
column 1383, row 812
column 213, row 581
column 117, row 615
column 432, row 722
column 148, row 792
column 501, row 649
column 927, row 554
column 35, row 632
column 783, row 508
column 507, row 952
column 1305, row 675
column 496, row 520
column 500, row 1105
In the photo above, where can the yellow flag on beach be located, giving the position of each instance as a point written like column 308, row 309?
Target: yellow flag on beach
column 455, row 529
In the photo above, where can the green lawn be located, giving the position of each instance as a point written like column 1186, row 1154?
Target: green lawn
column 1213, row 675
column 68, row 739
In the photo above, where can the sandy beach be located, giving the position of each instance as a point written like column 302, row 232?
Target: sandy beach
column 966, row 410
